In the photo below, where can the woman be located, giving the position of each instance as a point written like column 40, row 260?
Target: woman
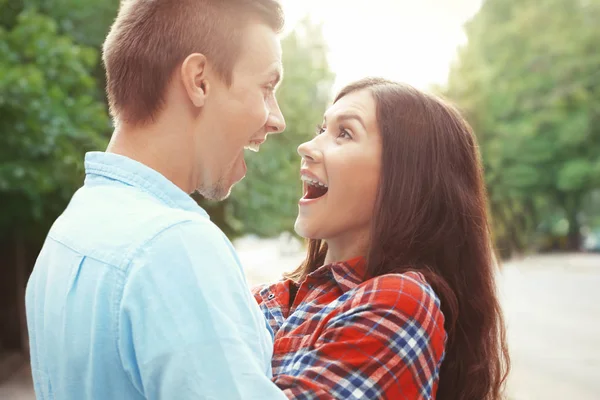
column 396, row 298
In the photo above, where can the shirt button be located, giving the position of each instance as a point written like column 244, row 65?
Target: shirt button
column 271, row 297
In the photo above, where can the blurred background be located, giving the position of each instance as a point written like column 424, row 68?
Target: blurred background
column 525, row 73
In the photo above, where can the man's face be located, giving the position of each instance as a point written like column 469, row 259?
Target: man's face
column 242, row 115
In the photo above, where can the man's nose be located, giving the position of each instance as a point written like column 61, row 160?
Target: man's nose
column 276, row 121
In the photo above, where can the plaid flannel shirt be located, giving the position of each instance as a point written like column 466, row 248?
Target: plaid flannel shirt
column 343, row 338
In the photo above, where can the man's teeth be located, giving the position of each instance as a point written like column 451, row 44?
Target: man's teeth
column 253, row 147
column 313, row 182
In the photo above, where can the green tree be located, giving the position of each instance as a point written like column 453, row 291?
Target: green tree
column 49, row 116
column 529, row 82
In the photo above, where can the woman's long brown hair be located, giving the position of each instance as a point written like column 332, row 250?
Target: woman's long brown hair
column 431, row 216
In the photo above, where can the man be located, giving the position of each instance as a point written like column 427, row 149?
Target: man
column 136, row 294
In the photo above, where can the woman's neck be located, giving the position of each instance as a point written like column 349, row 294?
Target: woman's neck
column 343, row 249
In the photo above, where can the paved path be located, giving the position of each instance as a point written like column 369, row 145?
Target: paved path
column 552, row 305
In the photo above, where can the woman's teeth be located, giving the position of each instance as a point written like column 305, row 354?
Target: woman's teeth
column 313, row 182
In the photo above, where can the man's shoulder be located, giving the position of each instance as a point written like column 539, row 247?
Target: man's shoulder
column 193, row 251
column 112, row 224
column 186, row 231
column 185, row 238
column 171, row 231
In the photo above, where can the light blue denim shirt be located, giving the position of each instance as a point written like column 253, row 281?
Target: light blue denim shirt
column 136, row 294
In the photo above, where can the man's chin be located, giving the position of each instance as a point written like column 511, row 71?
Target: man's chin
column 219, row 197
column 217, row 193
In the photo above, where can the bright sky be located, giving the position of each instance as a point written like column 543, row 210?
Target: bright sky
column 404, row 40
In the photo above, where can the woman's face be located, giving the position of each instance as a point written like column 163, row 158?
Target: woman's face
column 340, row 172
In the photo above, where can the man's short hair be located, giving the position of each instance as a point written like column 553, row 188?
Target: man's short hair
column 150, row 38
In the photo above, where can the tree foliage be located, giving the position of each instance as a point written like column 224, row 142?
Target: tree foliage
column 529, row 82
column 49, row 116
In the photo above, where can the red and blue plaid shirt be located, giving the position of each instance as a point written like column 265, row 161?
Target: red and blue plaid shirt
column 345, row 338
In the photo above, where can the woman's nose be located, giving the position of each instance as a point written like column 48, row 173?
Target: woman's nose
column 309, row 152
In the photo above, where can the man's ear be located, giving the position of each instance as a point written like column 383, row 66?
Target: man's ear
column 194, row 78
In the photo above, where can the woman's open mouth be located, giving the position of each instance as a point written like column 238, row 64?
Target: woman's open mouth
column 313, row 189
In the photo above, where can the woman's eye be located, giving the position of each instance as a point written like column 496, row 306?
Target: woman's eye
column 344, row 133
column 319, row 130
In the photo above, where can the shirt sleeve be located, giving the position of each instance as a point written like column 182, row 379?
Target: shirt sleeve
column 187, row 329
column 388, row 344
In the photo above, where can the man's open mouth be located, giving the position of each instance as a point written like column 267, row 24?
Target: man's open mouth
column 254, row 145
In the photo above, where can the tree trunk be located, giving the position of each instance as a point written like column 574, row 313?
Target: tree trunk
column 10, row 333
column 574, row 235
column 21, row 281
column 572, row 208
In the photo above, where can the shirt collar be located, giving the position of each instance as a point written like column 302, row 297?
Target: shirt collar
column 347, row 274
column 133, row 173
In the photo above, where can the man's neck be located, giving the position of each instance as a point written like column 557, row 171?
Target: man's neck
column 158, row 148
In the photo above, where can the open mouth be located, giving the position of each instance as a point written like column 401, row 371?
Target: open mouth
column 254, row 145
column 314, row 190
